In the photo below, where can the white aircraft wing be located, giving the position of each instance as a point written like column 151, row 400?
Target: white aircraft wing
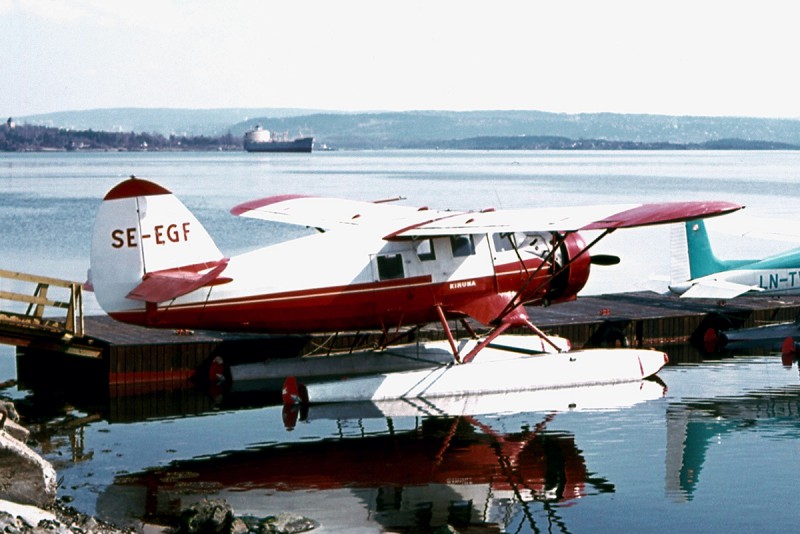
column 564, row 219
column 404, row 222
column 519, row 220
column 330, row 213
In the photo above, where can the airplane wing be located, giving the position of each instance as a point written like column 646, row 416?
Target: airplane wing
column 717, row 289
column 562, row 219
column 403, row 222
column 330, row 213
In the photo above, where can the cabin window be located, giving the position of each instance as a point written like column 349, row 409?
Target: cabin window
column 462, row 245
column 390, row 266
column 425, row 251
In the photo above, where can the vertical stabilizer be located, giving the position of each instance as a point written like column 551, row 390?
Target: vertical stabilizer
column 702, row 261
column 143, row 228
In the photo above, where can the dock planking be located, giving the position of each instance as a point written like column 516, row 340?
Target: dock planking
column 130, row 358
column 647, row 319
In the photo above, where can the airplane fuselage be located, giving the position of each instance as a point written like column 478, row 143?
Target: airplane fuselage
column 775, row 280
column 326, row 283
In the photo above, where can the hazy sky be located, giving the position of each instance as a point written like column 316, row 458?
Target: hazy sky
column 645, row 56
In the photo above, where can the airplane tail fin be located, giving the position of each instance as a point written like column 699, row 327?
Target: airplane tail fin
column 148, row 247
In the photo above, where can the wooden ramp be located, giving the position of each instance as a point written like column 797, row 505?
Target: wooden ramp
column 42, row 311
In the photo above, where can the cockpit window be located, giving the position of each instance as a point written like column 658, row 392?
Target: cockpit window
column 504, row 241
column 538, row 244
column 462, row 245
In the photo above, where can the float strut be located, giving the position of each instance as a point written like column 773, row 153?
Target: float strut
column 448, row 333
column 488, row 339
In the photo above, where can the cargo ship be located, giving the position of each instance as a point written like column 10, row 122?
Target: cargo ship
column 260, row 140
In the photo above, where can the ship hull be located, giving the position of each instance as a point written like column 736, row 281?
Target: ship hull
column 302, row 144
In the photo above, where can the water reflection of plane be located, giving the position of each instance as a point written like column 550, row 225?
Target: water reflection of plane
column 693, row 425
column 416, row 473
column 446, row 471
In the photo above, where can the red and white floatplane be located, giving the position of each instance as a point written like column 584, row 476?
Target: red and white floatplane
column 380, row 266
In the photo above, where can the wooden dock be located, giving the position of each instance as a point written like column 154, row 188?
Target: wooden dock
column 106, row 354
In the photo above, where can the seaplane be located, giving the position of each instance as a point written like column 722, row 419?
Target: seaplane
column 377, row 265
column 697, row 272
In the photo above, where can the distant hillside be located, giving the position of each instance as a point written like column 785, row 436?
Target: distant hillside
column 414, row 129
column 30, row 138
column 526, row 142
column 164, row 121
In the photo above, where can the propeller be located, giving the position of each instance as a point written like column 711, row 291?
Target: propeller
column 604, row 259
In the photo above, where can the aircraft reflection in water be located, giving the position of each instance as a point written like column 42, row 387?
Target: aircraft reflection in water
column 407, row 465
column 446, row 471
column 416, row 473
column 693, row 425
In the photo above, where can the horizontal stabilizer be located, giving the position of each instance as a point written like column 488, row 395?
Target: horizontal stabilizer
column 717, row 289
column 162, row 286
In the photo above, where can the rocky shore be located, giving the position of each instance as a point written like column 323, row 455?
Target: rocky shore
column 28, row 487
column 29, row 504
column 55, row 518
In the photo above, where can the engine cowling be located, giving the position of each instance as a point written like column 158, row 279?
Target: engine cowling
column 567, row 283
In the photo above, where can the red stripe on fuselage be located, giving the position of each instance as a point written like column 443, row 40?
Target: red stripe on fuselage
column 390, row 303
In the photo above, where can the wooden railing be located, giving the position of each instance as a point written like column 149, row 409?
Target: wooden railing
column 34, row 317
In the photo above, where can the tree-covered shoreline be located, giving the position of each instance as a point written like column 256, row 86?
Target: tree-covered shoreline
column 31, row 138
column 27, row 138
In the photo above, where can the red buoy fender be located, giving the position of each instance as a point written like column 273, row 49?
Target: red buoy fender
column 294, row 393
column 710, row 340
column 788, row 351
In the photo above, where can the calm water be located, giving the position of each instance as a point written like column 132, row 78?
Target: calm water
column 712, row 448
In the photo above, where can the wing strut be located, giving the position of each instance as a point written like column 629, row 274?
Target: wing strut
column 513, row 240
column 515, row 301
column 514, row 314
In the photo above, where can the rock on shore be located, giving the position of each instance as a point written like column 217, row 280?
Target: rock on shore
column 25, row 477
column 28, row 487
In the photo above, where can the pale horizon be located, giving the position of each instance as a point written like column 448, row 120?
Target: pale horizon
column 681, row 58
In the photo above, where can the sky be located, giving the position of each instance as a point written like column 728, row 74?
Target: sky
column 697, row 57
